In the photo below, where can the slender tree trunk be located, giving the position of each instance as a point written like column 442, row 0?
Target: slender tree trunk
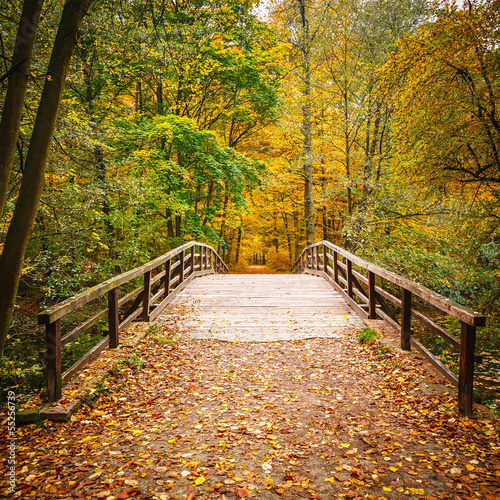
column 30, row 192
column 297, row 236
column 170, row 224
column 16, row 92
column 238, row 244
column 138, row 97
column 309, row 214
column 105, row 205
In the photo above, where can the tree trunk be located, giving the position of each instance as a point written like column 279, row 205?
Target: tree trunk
column 105, row 206
column 138, row 97
column 238, row 244
column 30, row 192
column 307, row 126
column 16, row 92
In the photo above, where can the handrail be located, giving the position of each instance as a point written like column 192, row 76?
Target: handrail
column 191, row 260
column 369, row 301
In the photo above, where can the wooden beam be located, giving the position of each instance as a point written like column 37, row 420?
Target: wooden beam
column 113, row 318
column 53, row 360
column 466, row 369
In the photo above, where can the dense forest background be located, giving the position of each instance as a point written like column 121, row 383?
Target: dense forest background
column 370, row 124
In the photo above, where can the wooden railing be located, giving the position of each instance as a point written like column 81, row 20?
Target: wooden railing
column 163, row 278
column 356, row 279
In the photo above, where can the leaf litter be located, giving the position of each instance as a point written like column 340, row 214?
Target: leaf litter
column 316, row 419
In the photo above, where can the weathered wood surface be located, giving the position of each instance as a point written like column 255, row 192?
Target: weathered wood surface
column 260, row 308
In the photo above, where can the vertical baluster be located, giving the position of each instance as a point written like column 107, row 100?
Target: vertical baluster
column 372, row 297
column 405, row 319
column 113, row 321
column 325, row 259
column 181, row 267
column 349, row 278
column 53, row 360
column 336, row 267
column 191, row 260
column 166, row 278
column 146, row 296
column 466, row 369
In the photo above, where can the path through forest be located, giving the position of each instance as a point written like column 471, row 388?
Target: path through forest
column 183, row 418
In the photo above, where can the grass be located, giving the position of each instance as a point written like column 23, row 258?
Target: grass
column 367, row 336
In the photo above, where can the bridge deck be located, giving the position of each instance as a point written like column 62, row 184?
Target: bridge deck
column 260, row 308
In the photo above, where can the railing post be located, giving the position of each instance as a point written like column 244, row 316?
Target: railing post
column 53, row 359
column 466, row 369
column 405, row 319
column 181, row 267
column 146, row 295
column 372, row 298
column 200, row 263
column 335, row 267
column 166, row 278
column 325, row 259
column 113, row 321
column 317, row 258
column 349, row 278
column 192, row 259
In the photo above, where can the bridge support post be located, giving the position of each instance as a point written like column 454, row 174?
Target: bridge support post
column 146, row 296
column 336, row 267
column 113, row 321
column 325, row 259
column 349, row 278
column 181, row 267
column 372, row 297
column 317, row 258
column 466, row 369
column 166, row 278
column 53, row 360
column 405, row 320
column 191, row 260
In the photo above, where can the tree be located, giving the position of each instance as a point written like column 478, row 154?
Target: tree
column 444, row 86
column 30, row 192
column 17, row 75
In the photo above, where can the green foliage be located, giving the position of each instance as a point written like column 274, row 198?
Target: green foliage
column 367, row 336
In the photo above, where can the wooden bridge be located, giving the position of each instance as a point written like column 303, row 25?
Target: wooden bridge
column 330, row 290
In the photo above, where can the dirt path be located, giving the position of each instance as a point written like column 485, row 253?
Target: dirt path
column 317, row 419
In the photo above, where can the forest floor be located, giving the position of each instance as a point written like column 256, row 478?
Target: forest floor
column 179, row 418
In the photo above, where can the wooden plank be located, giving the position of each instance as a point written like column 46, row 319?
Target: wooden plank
column 158, row 277
column 258, row 308
column 388, row 319
column 83, row 327
column 129, row 319
column 58, row 311
column 360, row 277
column 159, row 308
column 435, row 362
column 388, row 296
column 436, row 329
column 130, row 296
column 89, row 356
column 351, row 302
column 443, row 303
